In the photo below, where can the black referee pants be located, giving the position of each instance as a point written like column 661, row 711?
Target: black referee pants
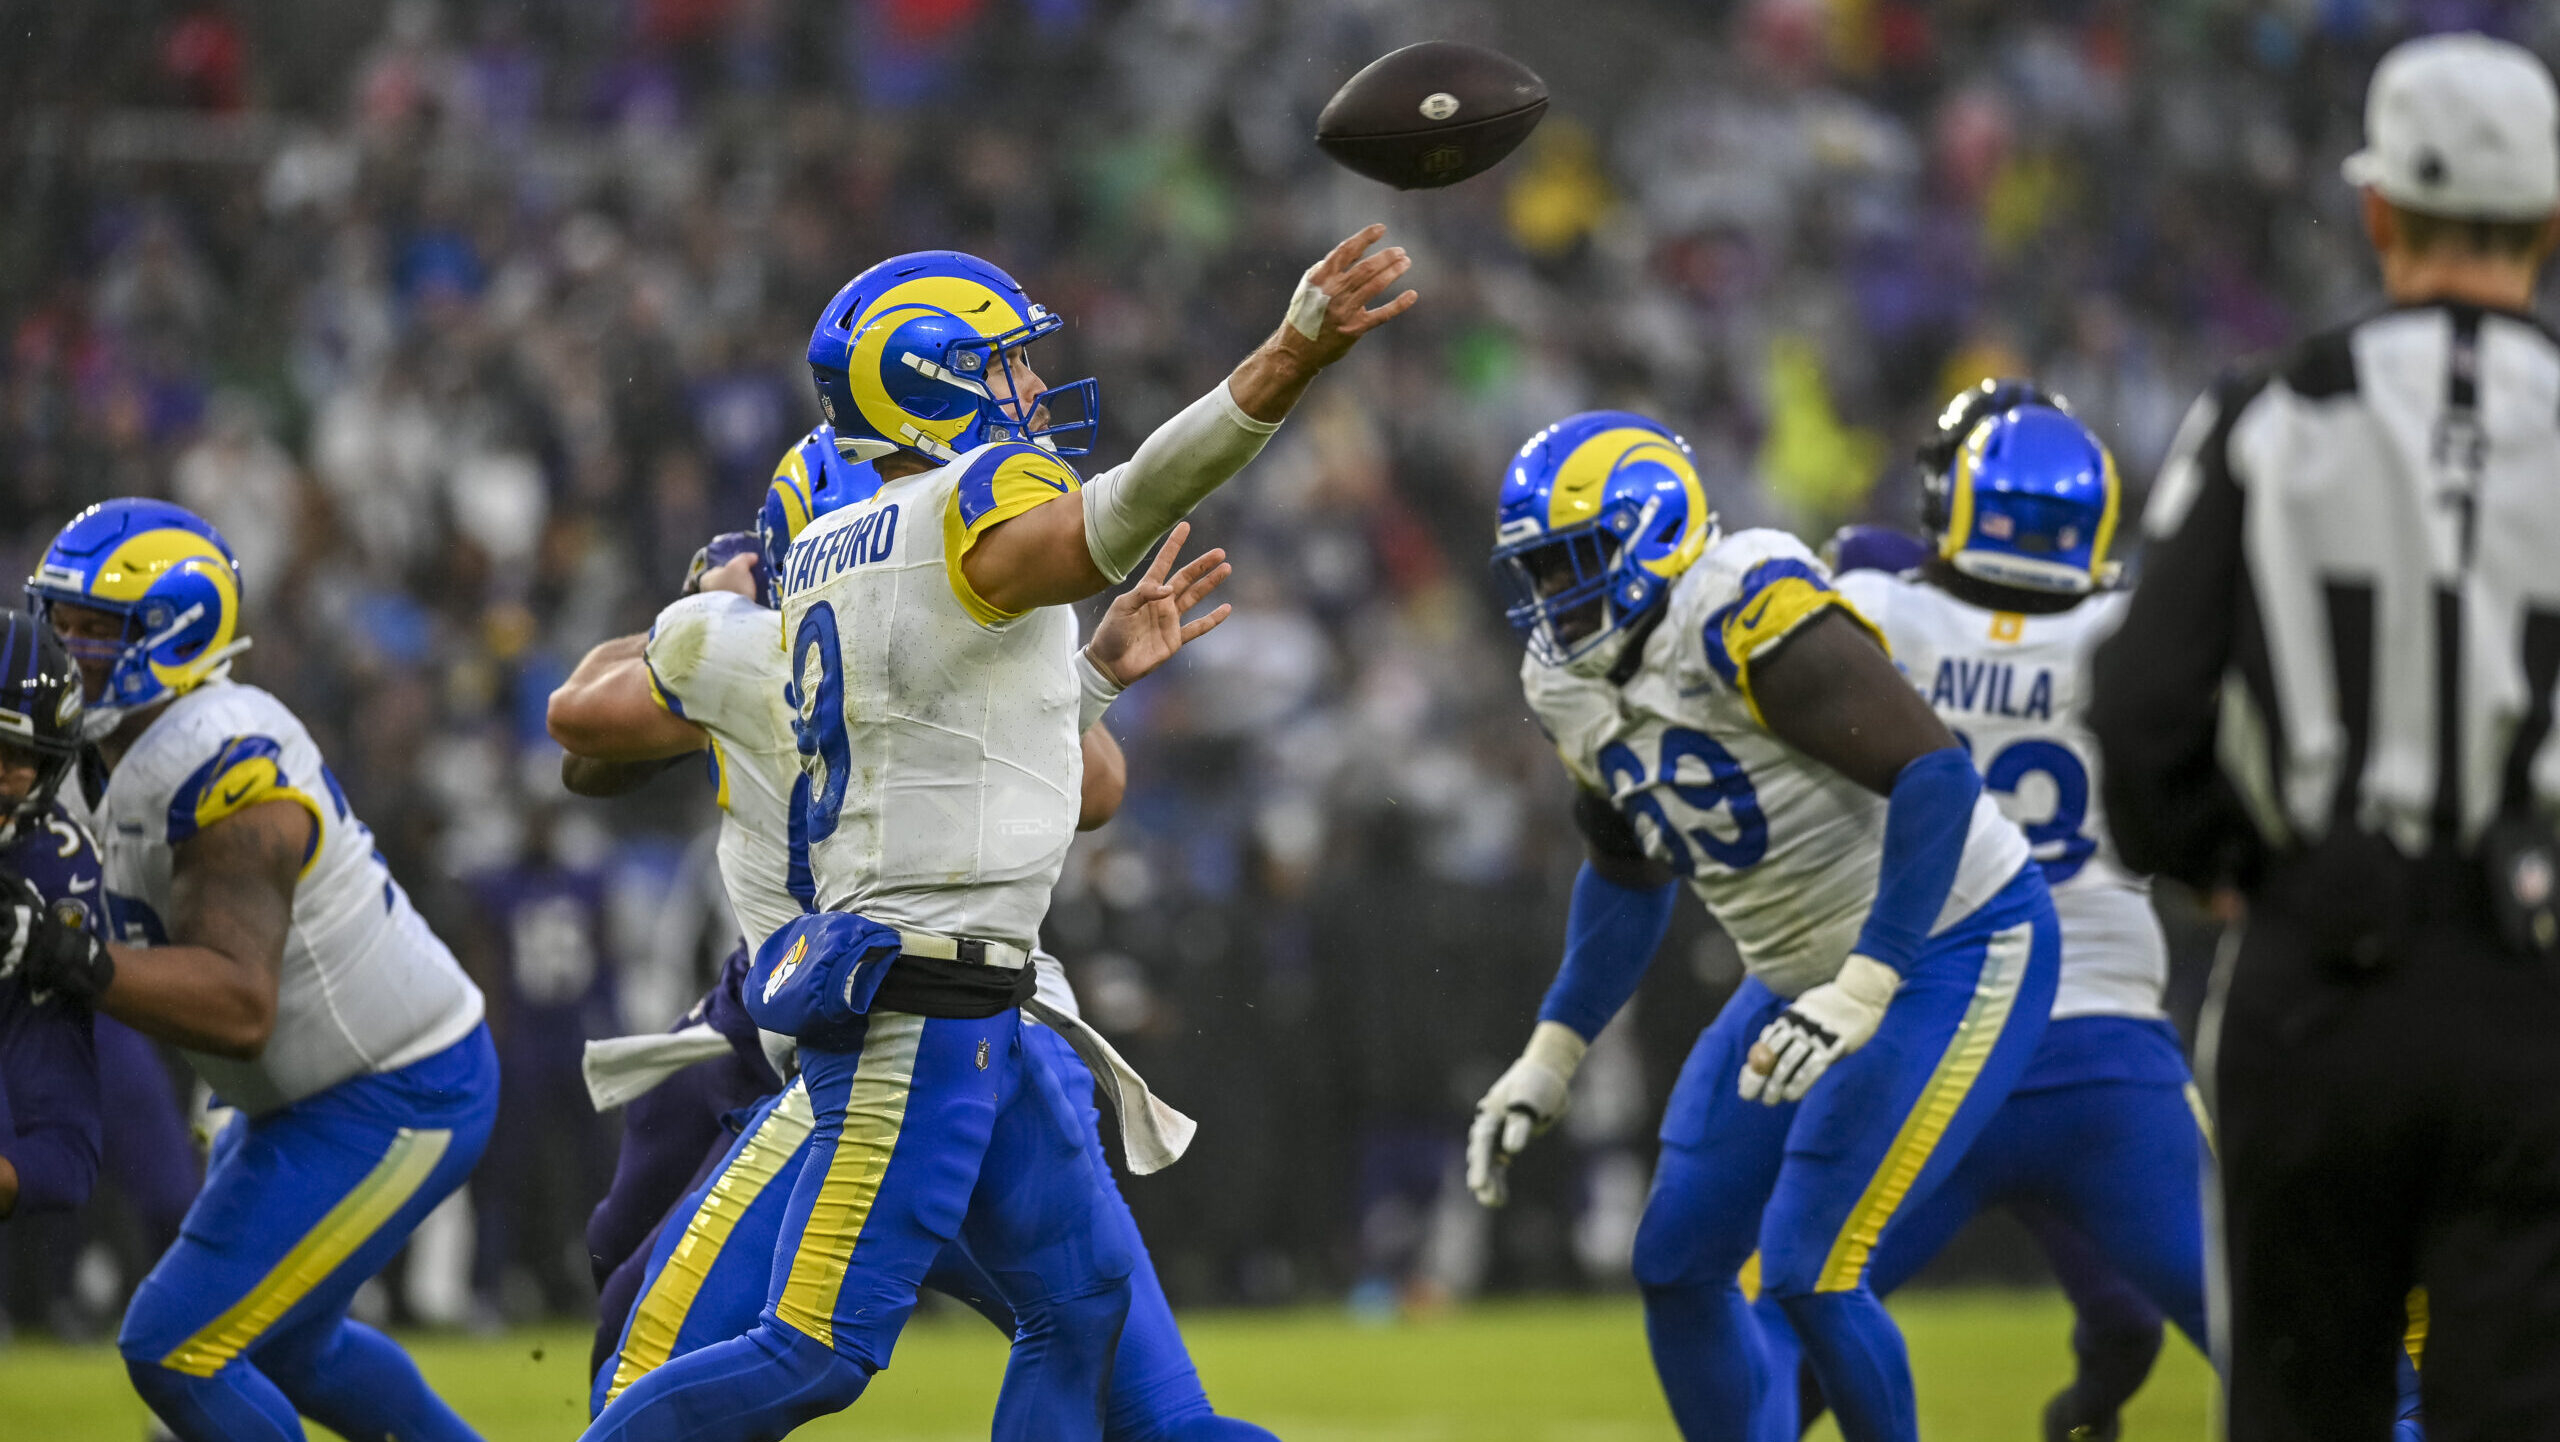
column 2378, row 1132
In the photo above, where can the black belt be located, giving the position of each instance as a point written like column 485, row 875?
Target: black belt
column 951, row 987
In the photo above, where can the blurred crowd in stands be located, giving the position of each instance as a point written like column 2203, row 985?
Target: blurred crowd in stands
column 467, row 322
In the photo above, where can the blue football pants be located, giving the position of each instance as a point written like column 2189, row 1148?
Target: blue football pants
column 708, row 1270
column 925, row 1132
column 1812, row 1187
column 243, row 1324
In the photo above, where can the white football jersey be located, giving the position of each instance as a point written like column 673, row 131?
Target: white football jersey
column 366, row 987
column 716, row 660
column 940, row 734
column 1782, row 849
column 2013, row 687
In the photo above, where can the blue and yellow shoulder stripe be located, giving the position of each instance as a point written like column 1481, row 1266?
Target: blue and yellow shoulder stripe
column 1000, row 483
column 246, row 771
column 1776, row 596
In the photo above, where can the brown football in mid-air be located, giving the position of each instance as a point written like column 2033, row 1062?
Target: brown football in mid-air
column 1431, row 114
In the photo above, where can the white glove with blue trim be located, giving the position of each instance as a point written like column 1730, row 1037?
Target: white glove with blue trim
column 1818, row 1028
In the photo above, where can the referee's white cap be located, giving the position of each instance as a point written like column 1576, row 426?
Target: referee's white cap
column 2462, row 126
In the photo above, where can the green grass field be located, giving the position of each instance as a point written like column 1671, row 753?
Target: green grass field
column 1536, row 1372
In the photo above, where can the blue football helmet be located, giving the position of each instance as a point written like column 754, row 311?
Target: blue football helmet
column 909, row 358
column 172, row 578
column 1874, row 548
column 1967, row 408
column 1599, row 514
column 2032, row 503
column 815, row 477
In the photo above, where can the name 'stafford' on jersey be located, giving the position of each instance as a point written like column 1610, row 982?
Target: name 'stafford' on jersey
column 716, row 659
column 2014, row 688
column 366, row 987
column 1781, row 848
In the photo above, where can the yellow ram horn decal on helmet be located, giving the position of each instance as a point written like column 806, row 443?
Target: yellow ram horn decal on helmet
column 1584, row 477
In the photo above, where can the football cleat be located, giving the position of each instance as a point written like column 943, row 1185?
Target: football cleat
column 2058, row 1426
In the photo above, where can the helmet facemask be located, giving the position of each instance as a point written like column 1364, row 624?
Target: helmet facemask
column 1572, row 591
column 40, row 720
column 1062, row 420
column 51, row 761
column 149, row 625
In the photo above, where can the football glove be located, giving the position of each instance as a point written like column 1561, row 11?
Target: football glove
column 719, row 551
column 1523, row 1102
column 51, row 955
column 1818, row 1028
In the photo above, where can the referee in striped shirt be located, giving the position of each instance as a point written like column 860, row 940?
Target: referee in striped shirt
column 2333, row 691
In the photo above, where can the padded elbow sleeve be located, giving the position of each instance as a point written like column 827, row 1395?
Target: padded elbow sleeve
column 1128, row 508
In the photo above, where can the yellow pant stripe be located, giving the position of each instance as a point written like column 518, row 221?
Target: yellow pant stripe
column 2204, row 1119
column 2415, row 1339
column 875, row 1108
column 348, row 1225
column 1749, row 1277
column 2004, row 967
column 659, row 1316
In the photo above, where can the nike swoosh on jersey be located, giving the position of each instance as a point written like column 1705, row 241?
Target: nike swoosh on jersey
column 232, row 797
column 81, row 885
column 1751, row 618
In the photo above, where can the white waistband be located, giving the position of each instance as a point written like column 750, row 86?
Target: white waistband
column 962, row 948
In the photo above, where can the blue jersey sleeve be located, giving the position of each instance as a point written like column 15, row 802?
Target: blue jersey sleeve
column 1926, row 821
column 1611, row 934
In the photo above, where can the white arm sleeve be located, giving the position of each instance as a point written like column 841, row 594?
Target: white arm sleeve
column 1128, row 508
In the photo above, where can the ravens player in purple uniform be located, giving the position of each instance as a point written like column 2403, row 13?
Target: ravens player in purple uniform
column 49, row 1120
